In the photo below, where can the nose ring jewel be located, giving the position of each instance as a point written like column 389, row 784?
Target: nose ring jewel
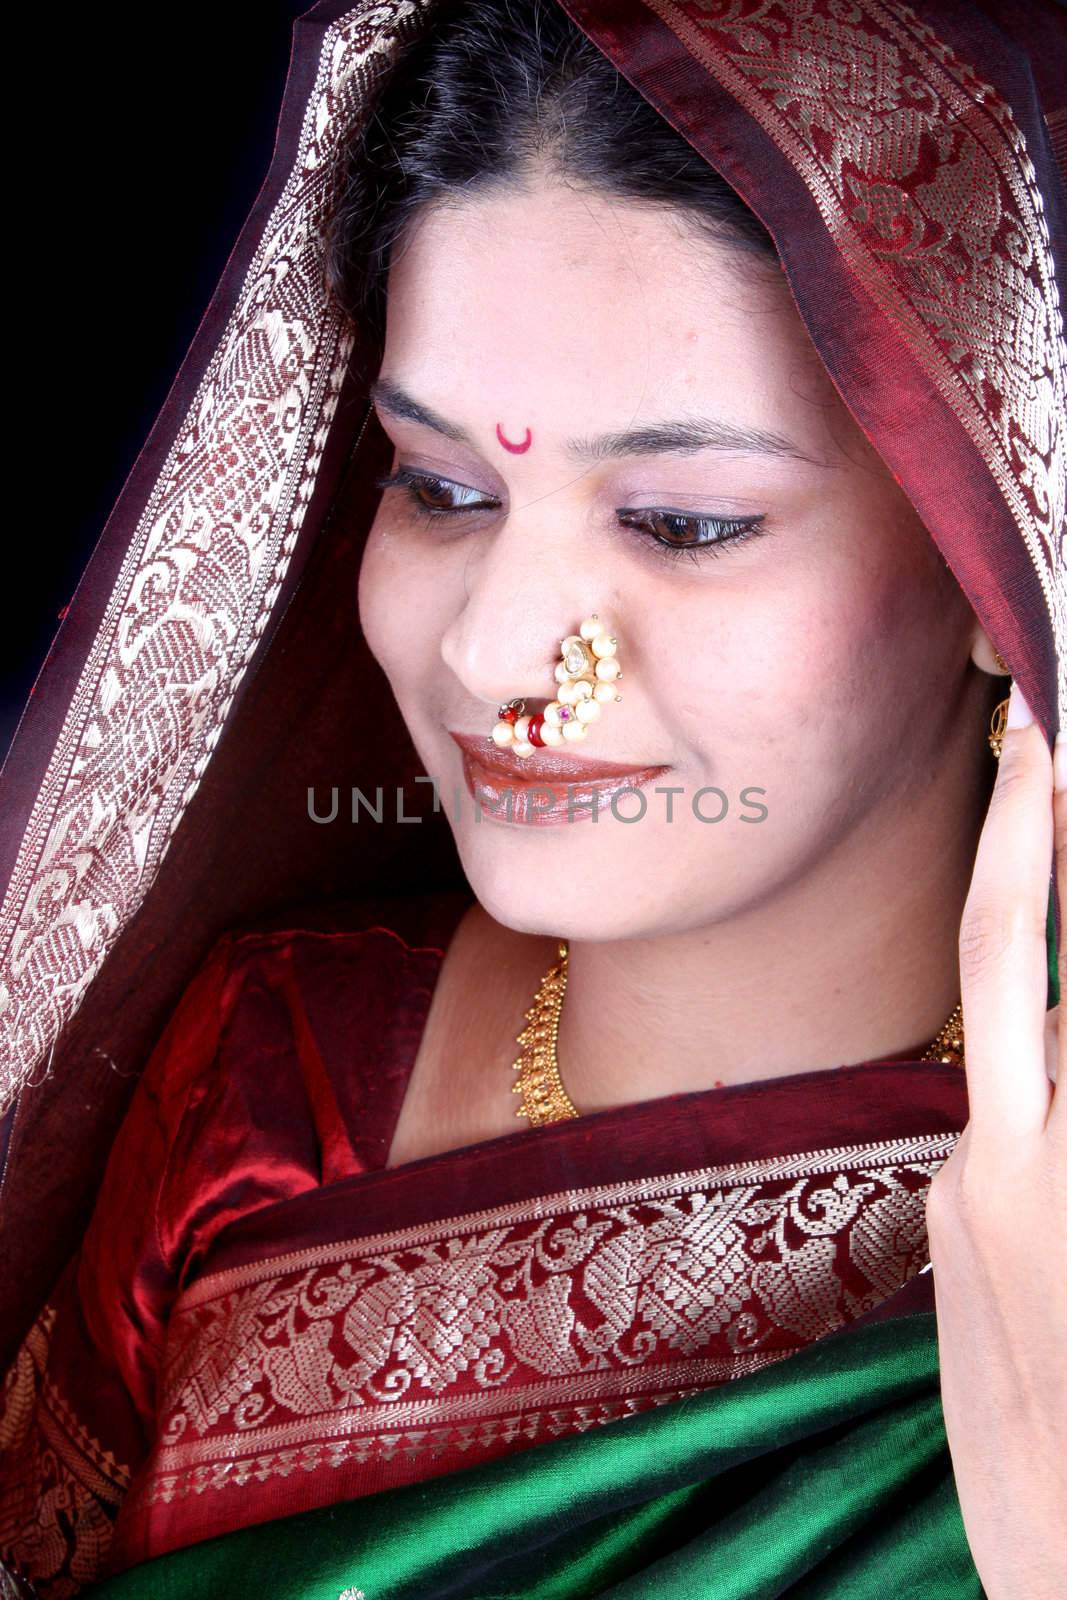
column 586, row 672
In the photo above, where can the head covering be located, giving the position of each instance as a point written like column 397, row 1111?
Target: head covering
column 206, row 673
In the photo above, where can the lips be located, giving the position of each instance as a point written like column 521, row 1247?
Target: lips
column 544, row 765
column 545, row 789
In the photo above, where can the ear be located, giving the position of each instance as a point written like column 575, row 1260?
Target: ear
column 985, row 655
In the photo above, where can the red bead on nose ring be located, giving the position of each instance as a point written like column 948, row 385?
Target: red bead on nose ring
column 586, row 673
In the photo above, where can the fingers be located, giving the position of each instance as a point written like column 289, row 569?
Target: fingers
column 1055, row 1026
column 1053, row 1045
column 1003, row 952
column 1059, row 817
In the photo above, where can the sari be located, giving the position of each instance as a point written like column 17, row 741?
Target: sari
column 684, row 1346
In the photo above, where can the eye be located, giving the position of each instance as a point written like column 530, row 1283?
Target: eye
column 683, row 533
column 673, row 533
column 432, row 496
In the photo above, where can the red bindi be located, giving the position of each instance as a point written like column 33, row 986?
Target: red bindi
column 516, row 449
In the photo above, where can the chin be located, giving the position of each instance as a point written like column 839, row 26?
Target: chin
column 611, row 889
column 534, row 899
column 556, row 902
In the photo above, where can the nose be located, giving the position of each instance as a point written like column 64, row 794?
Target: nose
column 528, row 584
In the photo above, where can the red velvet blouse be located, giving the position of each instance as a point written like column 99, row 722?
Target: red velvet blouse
column 263, row 1318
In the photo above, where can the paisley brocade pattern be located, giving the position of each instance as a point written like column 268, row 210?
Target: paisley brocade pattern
column 922, row 176
column 350, row 1367
column 62, row 1488
column 449, row 1342
column 196, row 590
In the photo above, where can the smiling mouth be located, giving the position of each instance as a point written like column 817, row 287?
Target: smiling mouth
column 546, row 766
column 544, row 789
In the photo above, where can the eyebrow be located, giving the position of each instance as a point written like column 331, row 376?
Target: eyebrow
column 684, row 437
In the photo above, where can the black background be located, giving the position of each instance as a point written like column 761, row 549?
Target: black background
column 148, row 134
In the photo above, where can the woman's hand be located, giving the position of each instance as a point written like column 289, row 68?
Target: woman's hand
column 997, row 1209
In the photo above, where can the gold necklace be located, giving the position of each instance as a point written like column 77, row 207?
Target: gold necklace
column 544, row 1099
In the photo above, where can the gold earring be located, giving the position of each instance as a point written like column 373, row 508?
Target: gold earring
column 587, row 672
column 999, row 720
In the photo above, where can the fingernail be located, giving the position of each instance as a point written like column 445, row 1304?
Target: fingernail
column 1019, row 713
column 1059, row 761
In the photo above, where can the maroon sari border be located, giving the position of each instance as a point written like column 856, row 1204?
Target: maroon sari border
column 656, row 1383
column 379, row 1230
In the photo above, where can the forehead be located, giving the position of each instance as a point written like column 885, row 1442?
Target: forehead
column 600, row 304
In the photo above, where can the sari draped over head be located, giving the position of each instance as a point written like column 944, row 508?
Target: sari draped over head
column 674, row 1348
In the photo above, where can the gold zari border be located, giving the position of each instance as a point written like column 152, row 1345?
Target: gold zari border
column 474, row 1332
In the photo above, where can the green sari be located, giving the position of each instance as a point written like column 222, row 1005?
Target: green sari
column 823, row 1476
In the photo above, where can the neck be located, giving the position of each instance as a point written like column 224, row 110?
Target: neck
column 764, row 994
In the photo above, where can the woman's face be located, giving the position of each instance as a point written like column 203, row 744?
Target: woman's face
column 816, row 663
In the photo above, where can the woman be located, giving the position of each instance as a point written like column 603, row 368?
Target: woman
column 337, row 1324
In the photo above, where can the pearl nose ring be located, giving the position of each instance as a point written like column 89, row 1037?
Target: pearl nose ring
column 587, row 672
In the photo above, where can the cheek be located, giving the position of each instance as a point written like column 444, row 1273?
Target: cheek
column 802, row 653
column 396, row 584
column 379, row 574
column 875, row 634
column 900, row 617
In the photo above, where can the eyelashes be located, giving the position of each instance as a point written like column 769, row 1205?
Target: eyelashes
column 415, row 482
column 716, row 535
column 663, row 529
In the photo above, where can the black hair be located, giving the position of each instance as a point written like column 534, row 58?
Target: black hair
column 492, row 90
